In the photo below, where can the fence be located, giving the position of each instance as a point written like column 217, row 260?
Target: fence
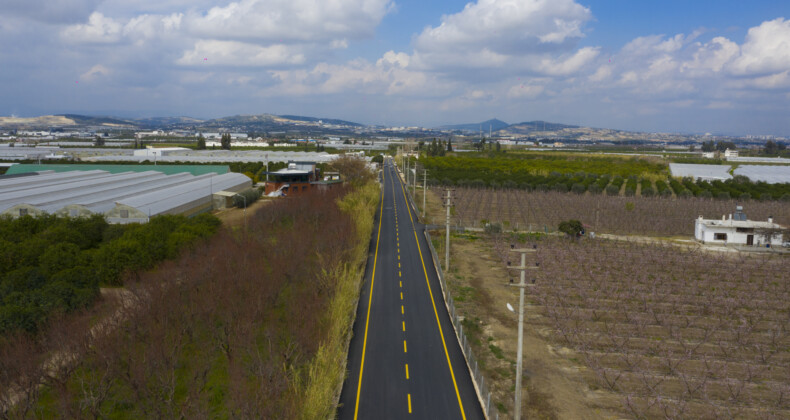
column 471, row 361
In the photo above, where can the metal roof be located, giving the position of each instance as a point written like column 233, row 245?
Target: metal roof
column 765, row 173
column 101, row 192
column 167, row 169
column 705, row 172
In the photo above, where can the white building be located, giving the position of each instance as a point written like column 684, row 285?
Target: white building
column 730, row 154
column 159, row 152
column 737, row 230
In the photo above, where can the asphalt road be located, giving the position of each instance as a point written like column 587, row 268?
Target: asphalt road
column 404, row 360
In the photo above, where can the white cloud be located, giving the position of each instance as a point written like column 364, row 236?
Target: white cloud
column 152, row 26
column 766, row 50
column 291, row 20
column 525, row 91
column 234, row 53
column 95, row 72
column 507, row 35
column 98, row 29
column 713, row 55
column 507, row 26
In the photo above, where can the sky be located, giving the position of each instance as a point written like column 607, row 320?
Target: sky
column 701, row 66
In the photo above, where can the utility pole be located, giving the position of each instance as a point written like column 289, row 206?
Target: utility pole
column 521, row 285
column 447, row 243
column 424, row 190
column 414, row 184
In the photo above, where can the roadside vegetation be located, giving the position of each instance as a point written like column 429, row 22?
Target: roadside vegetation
column 249, row 323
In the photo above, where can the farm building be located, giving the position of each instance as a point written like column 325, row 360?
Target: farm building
column 738, row 230
column 297, row 178
column 122, row 197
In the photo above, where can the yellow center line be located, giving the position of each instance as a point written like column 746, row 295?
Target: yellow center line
column 404, row 346
column 401, row 295
column 398, row 256
column 433, row 302
column 407, row 371
column 409, row 397
column 370, row 301
column 404, row 326
column 400, row 282
column 398, row 265
column 401, row 285
column 401, row 309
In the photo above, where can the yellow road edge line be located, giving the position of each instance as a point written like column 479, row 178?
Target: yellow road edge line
column 370, row 302
column 435, row 312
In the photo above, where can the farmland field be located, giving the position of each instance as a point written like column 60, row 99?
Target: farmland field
column 537, row 210
column 675, row 333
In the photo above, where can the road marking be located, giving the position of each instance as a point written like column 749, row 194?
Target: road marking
column 398, row 265
column 409, row 397
column 404, row 346
column 401, row 295
column 433, row 302
column 404, row 326
column 407, row 371
column 370, row 301
column 401, row 309
column 401, row 285
column 398, row 256
column 400, row 282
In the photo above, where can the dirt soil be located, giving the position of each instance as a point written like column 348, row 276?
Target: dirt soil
column 554, row 379
column 235, row 216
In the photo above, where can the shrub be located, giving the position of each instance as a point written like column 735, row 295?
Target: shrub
column 571, row 227
column 578, row 188
column 612, row 190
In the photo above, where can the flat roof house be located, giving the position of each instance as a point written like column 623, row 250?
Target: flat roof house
column 737, row 230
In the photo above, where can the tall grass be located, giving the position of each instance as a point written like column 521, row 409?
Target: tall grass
column 326, row 371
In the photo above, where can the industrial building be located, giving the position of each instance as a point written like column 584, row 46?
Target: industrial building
column 123, row 197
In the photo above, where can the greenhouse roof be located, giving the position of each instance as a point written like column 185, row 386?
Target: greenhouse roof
column 165, row 169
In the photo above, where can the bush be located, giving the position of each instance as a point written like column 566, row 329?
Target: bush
column 612, row 190
column 705, row 194
column 579, row 188
column 246, row 198
column 724, row 195
column 493, row 228
column 571, row 227
column 745, row 196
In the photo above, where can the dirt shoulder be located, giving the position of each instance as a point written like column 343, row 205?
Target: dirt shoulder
column 554, row 380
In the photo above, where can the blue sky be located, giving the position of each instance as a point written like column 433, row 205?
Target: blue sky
column 669, row 66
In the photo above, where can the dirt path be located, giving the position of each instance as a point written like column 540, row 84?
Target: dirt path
column 234, row 216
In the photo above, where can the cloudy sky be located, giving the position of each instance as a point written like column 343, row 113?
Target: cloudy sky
column 696, row 66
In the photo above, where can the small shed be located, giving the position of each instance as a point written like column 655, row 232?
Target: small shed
column 738, row 230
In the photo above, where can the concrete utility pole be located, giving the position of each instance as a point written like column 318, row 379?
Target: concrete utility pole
column 521, row 285
column 447, row 244
column 414, row 184
column 424, row 190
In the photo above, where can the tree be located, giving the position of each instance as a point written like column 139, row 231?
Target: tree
column 353, row 170
column 99, row 142
column 201, row 143
column 572, row 228
column 450, row 145
column 708, row 146
column 225, row 141
column 773, row 148
column 724, row 145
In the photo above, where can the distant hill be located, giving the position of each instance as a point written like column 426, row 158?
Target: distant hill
column 324, row 120
column 108, row 121
column 532, row 126
column 494, row 124
column 156, row 122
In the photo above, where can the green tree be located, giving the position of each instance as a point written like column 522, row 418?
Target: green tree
column 201, row 143
column 450, row 145
column 225, row 141
column 572, row 228
column 99, row 141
